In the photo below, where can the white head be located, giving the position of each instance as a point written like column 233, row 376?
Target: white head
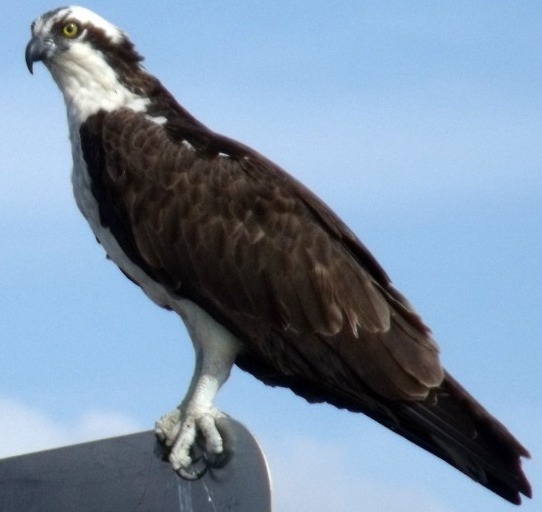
column 92, row 61
column 46, row 24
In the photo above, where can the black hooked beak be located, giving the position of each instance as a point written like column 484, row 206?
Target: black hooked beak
column 36, row 49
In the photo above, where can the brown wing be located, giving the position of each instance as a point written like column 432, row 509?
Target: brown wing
column 239, row 233
column 215, row 222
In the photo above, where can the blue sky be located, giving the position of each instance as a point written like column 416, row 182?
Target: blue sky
column 418, row 122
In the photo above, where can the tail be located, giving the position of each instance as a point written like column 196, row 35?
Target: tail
column 452, row 425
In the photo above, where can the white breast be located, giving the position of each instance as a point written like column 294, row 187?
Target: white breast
column 199, row 322
column 89, row 208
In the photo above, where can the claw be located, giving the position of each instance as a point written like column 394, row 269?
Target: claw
column 195, row 473
column 216, row 460
column 194, row 444
column 201, row 464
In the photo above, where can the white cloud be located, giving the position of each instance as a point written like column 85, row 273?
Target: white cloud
column 26, row 429
column 319, row 475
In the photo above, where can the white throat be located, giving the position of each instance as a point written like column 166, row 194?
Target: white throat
column 89, row 85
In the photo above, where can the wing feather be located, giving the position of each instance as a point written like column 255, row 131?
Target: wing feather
column 240, row 233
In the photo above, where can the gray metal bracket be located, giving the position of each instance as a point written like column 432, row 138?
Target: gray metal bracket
column 128, row 473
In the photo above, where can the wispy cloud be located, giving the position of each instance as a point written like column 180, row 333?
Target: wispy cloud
column 321, row 475
column 27, row 429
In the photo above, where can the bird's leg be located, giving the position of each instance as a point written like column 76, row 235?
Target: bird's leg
column 216, row 350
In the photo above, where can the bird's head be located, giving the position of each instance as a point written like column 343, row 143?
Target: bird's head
column 67, row 36
column 93, row 62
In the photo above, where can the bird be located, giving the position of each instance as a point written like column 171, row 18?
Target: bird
column 263, row 273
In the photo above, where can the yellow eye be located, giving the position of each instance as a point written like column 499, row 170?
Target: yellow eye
column 70, row 30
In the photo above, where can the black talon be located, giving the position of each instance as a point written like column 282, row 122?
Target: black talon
column 201, row 459
column 197, row 473
column 216, row 460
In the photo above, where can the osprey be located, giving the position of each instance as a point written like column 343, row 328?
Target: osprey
column 262, row 272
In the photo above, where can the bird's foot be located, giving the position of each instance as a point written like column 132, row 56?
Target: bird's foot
column 194, row 440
